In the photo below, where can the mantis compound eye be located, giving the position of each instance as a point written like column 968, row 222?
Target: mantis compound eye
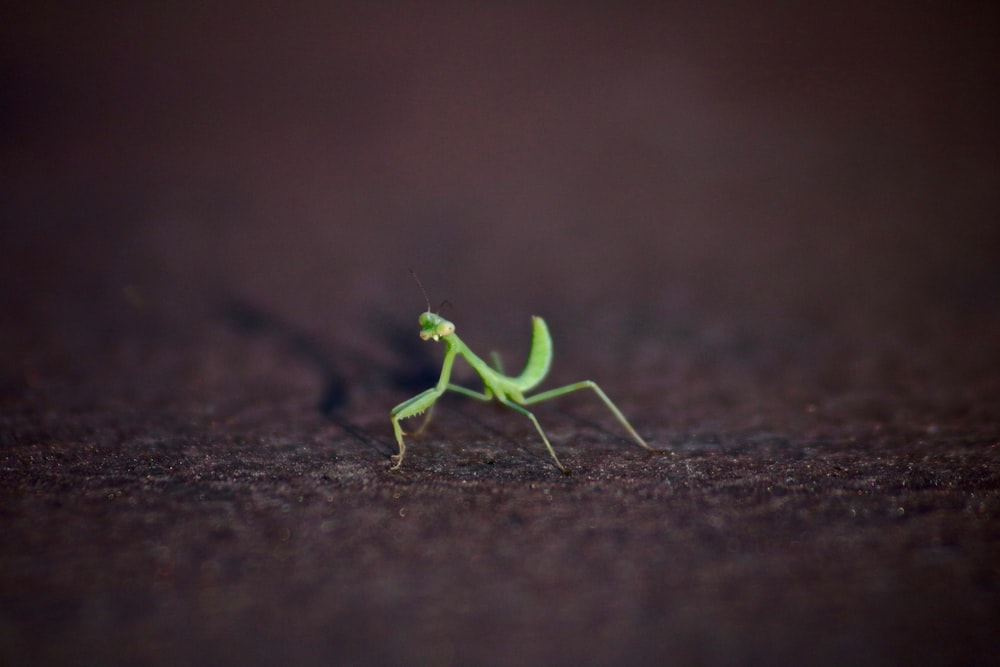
column 444, row 329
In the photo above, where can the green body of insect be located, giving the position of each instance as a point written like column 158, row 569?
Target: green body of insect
column 507, row 390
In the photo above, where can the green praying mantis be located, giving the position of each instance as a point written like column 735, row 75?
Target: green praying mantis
column 508, row 390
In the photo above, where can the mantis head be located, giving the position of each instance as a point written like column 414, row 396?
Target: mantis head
column 433, row 326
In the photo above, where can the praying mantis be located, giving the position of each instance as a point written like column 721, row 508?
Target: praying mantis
column 508, row 390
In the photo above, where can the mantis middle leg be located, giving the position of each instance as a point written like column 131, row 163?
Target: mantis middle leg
column 529, row 415
column 478, row 395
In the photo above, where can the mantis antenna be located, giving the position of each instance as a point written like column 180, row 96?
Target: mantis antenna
column 426, row 298
column 422, row 290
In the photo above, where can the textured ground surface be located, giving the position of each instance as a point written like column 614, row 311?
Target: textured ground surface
column 770, row 235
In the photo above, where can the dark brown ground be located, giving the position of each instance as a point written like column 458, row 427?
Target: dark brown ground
column 771, row 234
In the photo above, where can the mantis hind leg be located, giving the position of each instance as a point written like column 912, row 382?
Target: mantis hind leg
column 538, row 426
column 590, row 384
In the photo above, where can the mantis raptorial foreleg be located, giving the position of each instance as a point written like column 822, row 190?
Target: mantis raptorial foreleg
column 423, row 401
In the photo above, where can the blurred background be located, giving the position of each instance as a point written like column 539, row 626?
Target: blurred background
column 682, row 167
column 769, row 229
